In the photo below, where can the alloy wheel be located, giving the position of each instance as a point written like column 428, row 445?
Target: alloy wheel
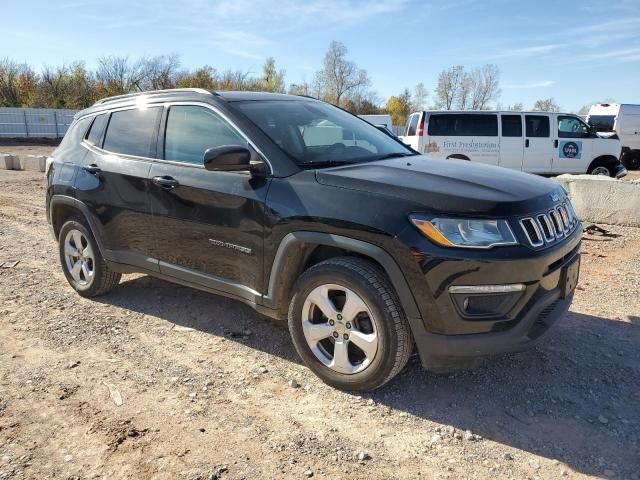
column 339, row 328
column 79, row 258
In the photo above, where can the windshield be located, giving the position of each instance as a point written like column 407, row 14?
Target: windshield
column 315, row 133
column 602, row 123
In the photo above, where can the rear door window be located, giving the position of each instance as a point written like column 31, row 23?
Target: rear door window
column 537, row 126
column 602, row 123
column 192, row 130
column 94, row 136
column 413, row 125
column 511, row 125
column 133, row 132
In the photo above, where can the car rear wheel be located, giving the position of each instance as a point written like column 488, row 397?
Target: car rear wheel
column 347, row 325
column 82, row 264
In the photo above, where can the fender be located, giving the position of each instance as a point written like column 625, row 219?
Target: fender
column 296, row 240
column 78, row 205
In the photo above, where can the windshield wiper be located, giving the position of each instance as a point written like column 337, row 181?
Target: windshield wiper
column 395, row 155
column 326, row 163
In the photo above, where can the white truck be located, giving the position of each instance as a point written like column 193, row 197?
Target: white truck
column 536, row 142
column 623, row 120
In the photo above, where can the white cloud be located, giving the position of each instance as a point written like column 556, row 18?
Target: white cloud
column 542, row 84
column 531, row 51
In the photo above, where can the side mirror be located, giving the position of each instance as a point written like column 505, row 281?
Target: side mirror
column 228, row 158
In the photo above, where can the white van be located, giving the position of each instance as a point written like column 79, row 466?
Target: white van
column 623, row 120
column 383, row 120
column 534, row 142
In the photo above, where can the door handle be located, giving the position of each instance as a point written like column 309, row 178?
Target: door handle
column 167, row 183
column 555, row 143
column 93, row 168
column 526, row 143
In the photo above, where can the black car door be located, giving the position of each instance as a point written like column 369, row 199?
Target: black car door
column 208, row 226
column 113, row 183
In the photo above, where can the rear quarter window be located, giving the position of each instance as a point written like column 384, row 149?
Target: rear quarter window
column 94, row 135
column 72, row 138
column 132, row 132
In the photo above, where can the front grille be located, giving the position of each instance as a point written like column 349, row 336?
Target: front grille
column 549, row 227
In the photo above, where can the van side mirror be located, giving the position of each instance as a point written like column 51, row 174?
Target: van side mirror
column 228, row 158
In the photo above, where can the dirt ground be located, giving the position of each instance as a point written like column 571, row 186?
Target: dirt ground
column 159, row 381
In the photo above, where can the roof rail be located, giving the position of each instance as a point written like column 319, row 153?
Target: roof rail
column 153, row 92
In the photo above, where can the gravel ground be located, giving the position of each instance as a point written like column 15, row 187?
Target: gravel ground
column 159, row 381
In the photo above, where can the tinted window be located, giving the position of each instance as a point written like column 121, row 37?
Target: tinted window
column 192, row 130
column 94, row 137
column 572, row 127
column 477, row 125
column 413, row 125
column 537, row 125
column 313, row 133
column 442, row 125
column 132, row 132
column 71, row 139
column 602, row 123
column 511, row 125
column 464, row 125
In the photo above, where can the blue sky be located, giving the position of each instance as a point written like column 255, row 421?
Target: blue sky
column 576, row 52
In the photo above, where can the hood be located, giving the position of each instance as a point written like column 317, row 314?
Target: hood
column 449, row 186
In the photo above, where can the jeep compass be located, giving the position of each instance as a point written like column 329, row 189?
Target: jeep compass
column 314, row 216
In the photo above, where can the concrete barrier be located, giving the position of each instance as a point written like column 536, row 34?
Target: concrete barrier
column 6, row 162
column 601, row 199
column 35, row 163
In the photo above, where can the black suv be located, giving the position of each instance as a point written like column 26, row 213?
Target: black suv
column 308, row 213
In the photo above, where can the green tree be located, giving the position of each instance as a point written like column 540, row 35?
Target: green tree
column 272, row 79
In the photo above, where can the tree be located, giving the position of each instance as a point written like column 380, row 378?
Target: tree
column 204, row 77
column 448, row 89
column 485, row 86
column 339, row 79
column 18, row 84
column 399, row 107
column 117, row 75
column 159, row 72
column 546, row 105
column 419, row 97
column 300, row 89
column 272, row 79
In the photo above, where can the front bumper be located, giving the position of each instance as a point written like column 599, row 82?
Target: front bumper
column 444, row 332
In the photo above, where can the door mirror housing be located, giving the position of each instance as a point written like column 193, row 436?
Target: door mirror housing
column 228, row 158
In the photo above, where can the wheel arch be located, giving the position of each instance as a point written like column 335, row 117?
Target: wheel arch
column 605, row 160
column 62, row 207
column 299, row 251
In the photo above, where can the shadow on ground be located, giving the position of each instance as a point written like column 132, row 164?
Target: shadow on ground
column 574, row 399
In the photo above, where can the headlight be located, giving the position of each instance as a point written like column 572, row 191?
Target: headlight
column 465, row 232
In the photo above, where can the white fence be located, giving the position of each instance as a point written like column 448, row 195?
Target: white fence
column 34, row 122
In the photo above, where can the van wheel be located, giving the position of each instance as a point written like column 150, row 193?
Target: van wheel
column 347, row 324
column 82, row 264
column 600, row 169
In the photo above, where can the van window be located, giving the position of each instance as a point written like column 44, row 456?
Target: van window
column 132, row 132
column 192, row 130
column 412, row 125
column 572, row 127
column 537, row 126
column 602, row 123
column 94, row 137
column 511, row 125
column 463, row 125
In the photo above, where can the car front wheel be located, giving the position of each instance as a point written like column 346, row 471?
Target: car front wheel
column 347, row 325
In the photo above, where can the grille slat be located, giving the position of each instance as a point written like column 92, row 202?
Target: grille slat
column 546, row 228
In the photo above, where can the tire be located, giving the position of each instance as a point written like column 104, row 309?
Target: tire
column 93, row 277
column 632, row 162
column 351, row 285
column 600, row 168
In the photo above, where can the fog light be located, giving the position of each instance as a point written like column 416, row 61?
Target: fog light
column 480, row 302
